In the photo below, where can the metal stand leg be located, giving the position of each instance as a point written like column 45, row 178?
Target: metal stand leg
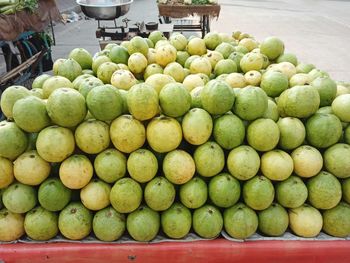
column 52, row 31
column 208, row 24
column 203, row 25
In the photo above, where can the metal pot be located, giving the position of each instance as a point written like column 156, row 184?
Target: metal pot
column 104, row 9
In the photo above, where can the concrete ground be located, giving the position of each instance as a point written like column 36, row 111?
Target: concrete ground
column 317, row 31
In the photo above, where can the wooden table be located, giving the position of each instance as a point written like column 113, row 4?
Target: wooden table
column 205, row 12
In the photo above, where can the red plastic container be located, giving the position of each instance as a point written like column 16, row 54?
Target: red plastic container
column 219, row 250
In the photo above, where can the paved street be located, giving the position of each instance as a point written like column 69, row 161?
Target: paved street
column 317, row 32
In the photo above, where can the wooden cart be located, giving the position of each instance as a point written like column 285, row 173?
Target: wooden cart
column 17, row 28
column 204, row 12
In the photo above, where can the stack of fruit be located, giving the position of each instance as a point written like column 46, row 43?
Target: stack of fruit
column 181, row 135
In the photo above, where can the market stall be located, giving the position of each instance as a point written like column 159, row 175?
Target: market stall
column 218, row 177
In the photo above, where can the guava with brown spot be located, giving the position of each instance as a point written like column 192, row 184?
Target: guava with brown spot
column 6, row 171
column 13, row 141
column 174, row 100
column 307, row 160
column 336, row 220
column 298, row 101
column 276, row 165
column 209, row 159
column 143, row 224
column 224, row 190
column 92, row 136
column 137, row 63
column 292, row 133
column 176, row 221
column 152, row 69
column 229, row 131
column 164, row 134
column 138, row 44
column 76, row 171
column 9, row 97
column 272, row 47
column 240, row 221
column 251, row 61
column 159, row 194
column 323, row 130
column 19, row 198
column 324, row 191
column 292, row 192
column 29, row 168
column 123, row 79
column 41, row 224
column 86, row 85
column 196, row 97
column 39, row 81
column 126, row 195
column 217, row 97
column 142, row 165
column 30, row 114
column 243, row 162
column 196, row 46
column 11, row 225
column 105, row 103
column 55, row 143
column 214, row 57
column 110, row 165
column 258, row 192
column 251, row 103
column 337, row 160
column 106, row 70
column 178, row 167
column 75, row 221
column 66, row 107
column 143, row 102
column 69, row 69
column 197, row 126
column 207, row 221
column 194, row 193
column 95, row 195
column 127, row 133
column 165, row 54
column 82, row 56
column 327, row 89
column 53, row 195
column 108, row 224
column 263, row 134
